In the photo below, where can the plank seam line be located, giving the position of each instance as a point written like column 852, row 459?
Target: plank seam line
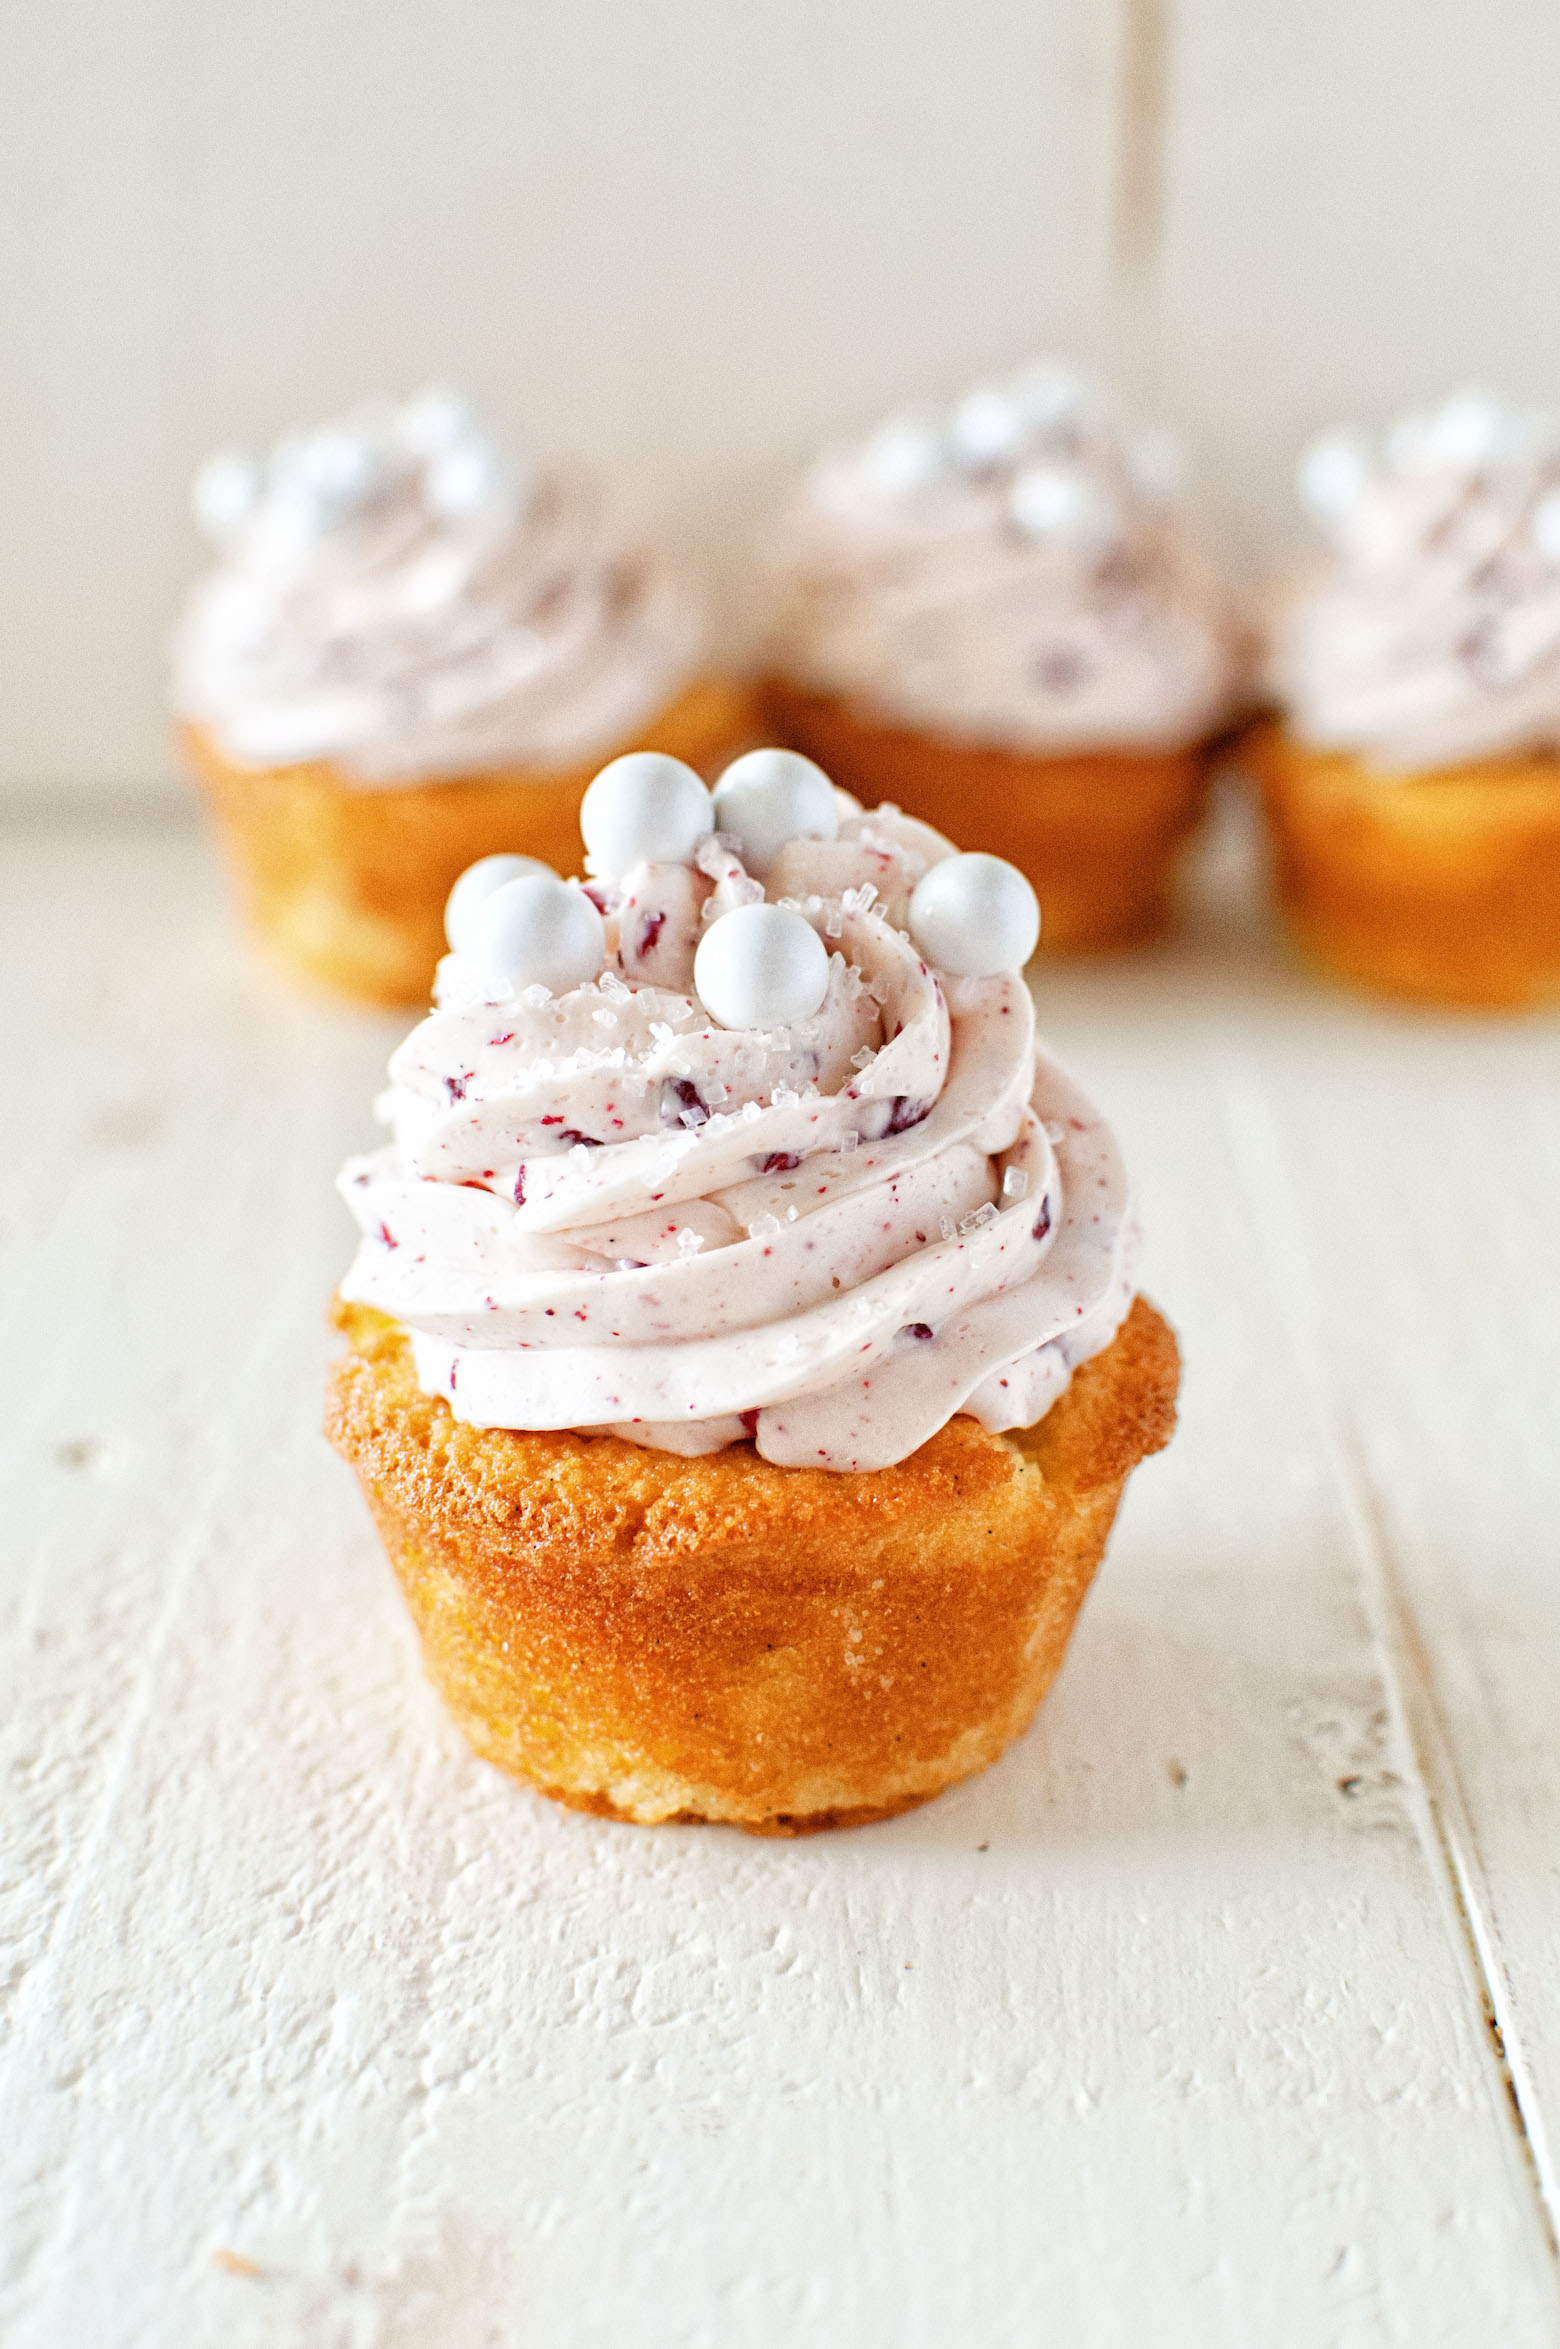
column 1447, row 1804
column 1138, row 193
column 1443, row 1823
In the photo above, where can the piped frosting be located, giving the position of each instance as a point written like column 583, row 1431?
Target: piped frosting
column 1426, row 631
column 1015, row 571
column 398, row 594
column 603, row 1209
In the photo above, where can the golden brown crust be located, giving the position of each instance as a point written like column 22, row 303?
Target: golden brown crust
column 1444, row 888
column 718, row 1638
column 1098, row 833
column 346, row 884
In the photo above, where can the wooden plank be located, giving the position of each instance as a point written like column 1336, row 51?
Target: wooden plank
column 317, row 2030
column 1424, row 1298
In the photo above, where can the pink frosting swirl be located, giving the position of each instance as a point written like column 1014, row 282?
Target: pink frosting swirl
column 396, row 596
column 1428, row 632
column 600, row 1211
column 1017, row 573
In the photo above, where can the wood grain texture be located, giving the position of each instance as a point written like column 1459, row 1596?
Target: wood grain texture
column 316, row 2031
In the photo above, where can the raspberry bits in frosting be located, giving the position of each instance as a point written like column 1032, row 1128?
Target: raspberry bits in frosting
column 1426, row 631
column 1017, row 570
column 399, row 593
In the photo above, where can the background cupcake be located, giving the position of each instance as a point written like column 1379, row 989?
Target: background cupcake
column 1413, row 781
column 415, row 649
column 999, row 619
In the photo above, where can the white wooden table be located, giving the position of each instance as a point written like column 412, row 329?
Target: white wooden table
column 1225, row 2012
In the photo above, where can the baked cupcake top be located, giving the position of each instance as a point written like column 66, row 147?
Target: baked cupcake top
column 746, row 1135
column 398, row 594
column 1017, row 572
column 1426, row 633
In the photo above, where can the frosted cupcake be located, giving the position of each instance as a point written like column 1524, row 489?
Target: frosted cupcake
column 744, row 1359
column 1000, row 619
column 1413, row 780
column 414, row 649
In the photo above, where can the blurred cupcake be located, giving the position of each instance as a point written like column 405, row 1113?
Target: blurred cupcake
column 413, row 650
column 1413, row 783
column 999, row 619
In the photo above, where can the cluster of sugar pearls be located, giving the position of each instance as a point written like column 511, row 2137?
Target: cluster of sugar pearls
column 1471, row 435
column 758, row 965
column 312, row 483
column 1039, row 434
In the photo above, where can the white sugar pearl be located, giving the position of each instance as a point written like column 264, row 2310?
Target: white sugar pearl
column 986, row 427
column 225, row 491
column 1545, row 525
column 904, row 455
column 974, row 916
column 318, row 481
column 1056, row 502
column 342, row 469
column 470, row 478
column 475, row 886
column 291, row 517
column 1332, row 476
column 761, row 966
column 644, row 809
column 1466, row 432
column 769, row 797
column 1049, row 397
column 538, row 932
column 435, row 419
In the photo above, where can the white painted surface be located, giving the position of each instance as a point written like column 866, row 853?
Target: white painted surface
column 1169, row 2029
column 690, row 238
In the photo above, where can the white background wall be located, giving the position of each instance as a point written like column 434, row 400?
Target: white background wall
column 688, row 237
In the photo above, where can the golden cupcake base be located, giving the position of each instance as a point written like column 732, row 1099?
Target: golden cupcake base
column 1098, row 833
column 1439, row 888
column 652, row 1638
column 345, row 884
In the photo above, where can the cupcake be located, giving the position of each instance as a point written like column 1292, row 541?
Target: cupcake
column 1412, row 779
column 412, row 650
column 743, row 1361
column 1000, row 620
